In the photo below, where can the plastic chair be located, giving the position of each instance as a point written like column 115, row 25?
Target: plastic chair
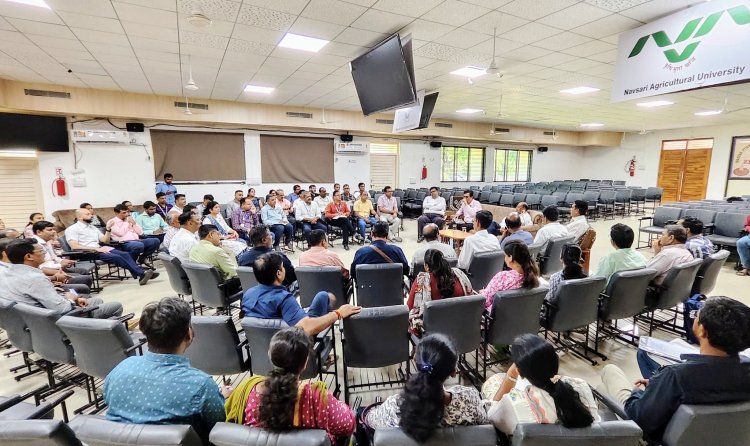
column 247, row 277
column 660, row 219
column 708, row 273
column 380, row 285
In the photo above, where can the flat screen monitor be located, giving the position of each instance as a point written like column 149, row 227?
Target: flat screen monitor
column 32, row 132
column 381, row 77
column 428, row 106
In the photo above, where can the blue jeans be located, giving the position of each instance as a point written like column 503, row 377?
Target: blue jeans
column 121, row 259
column 320, row 306
column 363, row 225
column 743, row 249
column 279, row 230
column 141, row 249
column 648, row 366
column 308, row 227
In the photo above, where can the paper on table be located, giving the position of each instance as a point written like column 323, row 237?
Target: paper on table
column 670, row 350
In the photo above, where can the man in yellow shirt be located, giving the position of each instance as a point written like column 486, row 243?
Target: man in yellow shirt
column 364, row 211
column 210, row 252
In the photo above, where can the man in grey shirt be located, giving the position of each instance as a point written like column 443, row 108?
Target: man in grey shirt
column 430, row 234
column 25, row 283
column 513, row 231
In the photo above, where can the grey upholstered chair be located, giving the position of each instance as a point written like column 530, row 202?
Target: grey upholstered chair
column 207, row 288
column 676, row 286
column 37, row 433
column 699, row 425
column 178, row 280
column 549, row 260
column 418, row 267
column 230, row 434
column 727, row 228
column 440, row 317
column 534, row 250
column 97, row 431
column 313, row 279
column 625, row 295
column 607, row 433
column 386, row 325
column 662, row 215
column 483, row 266
column 708, row 273
column 483, row 435
column 18, row 335
column 46, row 338
column 15, row 407
column 247, row 277
column 380, row 285
column 217, row 348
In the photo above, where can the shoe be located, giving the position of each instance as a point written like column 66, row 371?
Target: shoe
column 346, row 247
column 148, row 275
column 154, row 275
column 397, row 239
column 290, row 246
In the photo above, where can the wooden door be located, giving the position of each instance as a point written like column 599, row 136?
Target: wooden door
column 670, row 174
column 683, row 169
column 20, row 192
column 695, row 174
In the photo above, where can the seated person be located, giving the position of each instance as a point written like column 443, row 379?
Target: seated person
column 431, row 232
column 698, row 245
column 522, row 212
column 179, row 204
column 715, row 376
column 379, row 251
column 209, row 251
column 360, row 191
column 670, row 251
column 522, row 272
column 743, row 250
column 173, row 225
column 233, row 205
column 364, row 212
column 273, row 401
column 578, row 224
column 28, row 231
column 153, row 224
column 464, row 217
column 388, row 210
column 307, row 214
column 513, row 231
column 245, row 218
column 83, row 236
column 274, row 217
column 262, row 240
column 337, row 213
column 160, row 387
column 25, row 283
column 480, row 241
column 187, row 237
column 96, row 221
column 126, row 231
column 572, row 259
column 286, row 206
column 313, row 190
column 257, row 201
column 204, row 205
column 62, row 270
column 323, row 199
column 425, row 404
column 162, row 207
column 437, row 281
column 533, row 392
column 347, row 195
column 9, row 233
column 320, row 255
column 624, row 257
column 229, row 237
column 271, row 300
column 433, row 211
column 551, row 228
column 129, row 205
column 295, row 195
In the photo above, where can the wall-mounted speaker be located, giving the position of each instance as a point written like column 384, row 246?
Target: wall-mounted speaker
column 347, row 138
column 135, row 127
column 436, row 144
column 542, row 149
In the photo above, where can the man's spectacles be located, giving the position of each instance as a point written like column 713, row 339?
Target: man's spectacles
column 466, row 196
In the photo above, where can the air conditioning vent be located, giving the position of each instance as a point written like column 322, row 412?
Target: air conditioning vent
column 444, row 125
column 549, row 133
column 191, row 105
column 384, row 121
column 47, row 93
column 501, row 130
column 302, row 115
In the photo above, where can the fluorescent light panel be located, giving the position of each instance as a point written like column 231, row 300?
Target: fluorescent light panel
column 708, row 112
column 592, row 124
column 469, row 111
column 17, row 153
column 303, row 43
column 470, row 72
column 654, row 104
column 579, row 90
column 38, row 3
column 258, row 89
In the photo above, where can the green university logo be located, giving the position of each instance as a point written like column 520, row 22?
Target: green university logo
column 740, row 15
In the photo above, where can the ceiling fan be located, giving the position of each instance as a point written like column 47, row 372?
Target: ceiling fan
column 493, row 68
column 323, row 120
column 500, row 113
column 191, row 85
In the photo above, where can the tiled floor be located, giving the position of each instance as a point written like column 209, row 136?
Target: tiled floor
column 134, row 297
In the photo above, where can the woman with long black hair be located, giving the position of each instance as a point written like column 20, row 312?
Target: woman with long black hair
column 572, row 258
column 522, row 272
column 532, row 391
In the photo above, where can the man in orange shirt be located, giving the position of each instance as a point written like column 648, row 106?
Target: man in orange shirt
column 337, row 213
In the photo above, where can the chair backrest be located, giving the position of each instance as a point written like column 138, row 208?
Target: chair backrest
column 571, row 198
column 719, row 424
column 388, row 325
column 623, row 195
column 258, row 333
column 548, row 200
column 654, row 193
column 216, row 346
column 625, row 295
column 98, row 344
column 230, row 434
column 517, row 198
column 37, row 433
column 506, row 199
column 608, row 433
column 664, row 214
column 577, row 303
column 380, row 285
column 515, row 312
column 46, row 338
column 534, row 250
column 98, row 431
column 177, row 278
column 484, row 196
column 483, row 266
column 704, row 215
column 481, row 435
column 552, row 253
column 247, row 277
column 494, row 197
column 729, row 224
column 533, row 199
column 420, row 197
column 638, row 194
column 440, row 317
column 607, row 196
column 204, row 282
column 14, row 326
column 592, row 195
column 677, row 284
column 708, row 273
column 418, row 267
column 313, row 279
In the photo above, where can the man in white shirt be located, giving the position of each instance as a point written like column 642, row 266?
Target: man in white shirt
column 465, row 215
column 522, row 210
column 44, row 232
column 431, row 233
column 480, row 241
column 179, row 204
column 551, row 229
column 323, row 199
column 308, row 214
column 388, row 211
column 669, row 251
column 187, row 237
column 578, row 224
column 433, row 211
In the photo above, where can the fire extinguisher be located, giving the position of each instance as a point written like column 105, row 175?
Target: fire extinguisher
column 59, row 188
column 424, row 172
column 631, row 167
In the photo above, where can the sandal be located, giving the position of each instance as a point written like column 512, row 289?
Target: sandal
column 743, row 272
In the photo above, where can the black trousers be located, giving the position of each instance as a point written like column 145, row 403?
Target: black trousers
column 345, row 225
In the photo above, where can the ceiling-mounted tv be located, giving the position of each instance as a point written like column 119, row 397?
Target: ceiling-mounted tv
column 428, row 106
column 32, row 132
column 382, row 79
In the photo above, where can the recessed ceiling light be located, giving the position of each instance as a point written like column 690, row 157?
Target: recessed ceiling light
column 39, row 3
column 592, row 124
column 579, row 90
column 304, row 43
column 654, row 104
column 708, row 112
column 470, row 72
column 258, row 89
column 469, row 111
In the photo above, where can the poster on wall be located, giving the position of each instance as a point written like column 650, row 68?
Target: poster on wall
column 739, row 164
column 697, row 47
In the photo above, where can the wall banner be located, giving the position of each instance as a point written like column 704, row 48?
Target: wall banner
column 739, row 164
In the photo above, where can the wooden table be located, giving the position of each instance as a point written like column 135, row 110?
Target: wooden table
column 458, row 237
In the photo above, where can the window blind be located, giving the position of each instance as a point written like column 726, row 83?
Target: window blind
column 296, row 159
column 199, row 156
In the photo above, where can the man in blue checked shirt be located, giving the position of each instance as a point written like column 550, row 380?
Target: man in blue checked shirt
column 167, row 188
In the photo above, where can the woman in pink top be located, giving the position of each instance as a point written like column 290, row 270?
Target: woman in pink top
column 281, row 402
column 523, row 272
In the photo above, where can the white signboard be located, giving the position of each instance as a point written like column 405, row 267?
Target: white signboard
column 408, row 118
column 707, row 44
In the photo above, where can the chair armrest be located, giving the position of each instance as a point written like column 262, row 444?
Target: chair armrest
column 78, row 255
column 610, row 403
column 10, row 402
column 646, row 218
column 83, row 311
column 45, row 408
column 670, row 222
column 138, row 346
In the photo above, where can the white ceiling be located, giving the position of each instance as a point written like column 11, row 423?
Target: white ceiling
column 543, row 46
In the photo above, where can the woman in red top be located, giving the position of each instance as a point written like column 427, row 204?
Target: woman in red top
column 438, row 281
column 743, row 249
column 337, row 213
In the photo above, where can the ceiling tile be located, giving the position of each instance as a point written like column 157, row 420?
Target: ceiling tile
column 526, row 53
column 343, row 49
column 531, row 32
column 407, row 8
column 425, row 30
column 52, row 42
column 14, row 36
column 360, row 37
column 574, row 16
column 99, row 37
column 150, row 31
column 553, row 59
column 265, row 18
column 112, row 67
column 215, row 9
column 616, row 5
column 334, row 11
column 289, row 6
column 328, row 59
column 562, row 41
column 316, row 28
column 217, row 28
column 251, row 33
column 455, row 12
column 463, row 38
column 166, row 5
column 607, row 26
column 148, row 16
column 590, row 47
column 84, row 21
column 42, row 29
column 244, row 46
column 26, row 12
column 533, row 10
column 204, row 40
column 495, row 20
column 147, row 55
column 648, row 12
column 152, row 44
column 381, row 21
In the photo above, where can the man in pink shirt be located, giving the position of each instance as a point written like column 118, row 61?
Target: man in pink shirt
column 127, row 232
column 464, row 218
column 320, row 255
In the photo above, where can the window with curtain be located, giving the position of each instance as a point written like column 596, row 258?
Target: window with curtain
column 462, row 164
column 512, row 165
column 199, row 156
column 296, row 159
